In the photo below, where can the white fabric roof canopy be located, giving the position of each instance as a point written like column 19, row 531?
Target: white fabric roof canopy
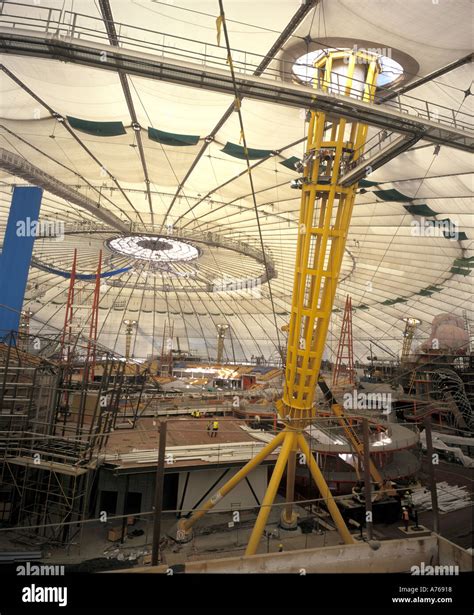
column 384, row 259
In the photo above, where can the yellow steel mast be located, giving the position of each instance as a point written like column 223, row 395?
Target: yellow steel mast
column 325, row 214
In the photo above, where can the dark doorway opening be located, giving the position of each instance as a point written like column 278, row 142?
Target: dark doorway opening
column 108, row 502
column 170, row 492
column 133, row 503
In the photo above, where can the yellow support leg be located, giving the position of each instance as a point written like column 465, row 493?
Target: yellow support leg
column 289, row 518
column 260, row 523
column 356, row 443
column 325, row 492
column 185, row 525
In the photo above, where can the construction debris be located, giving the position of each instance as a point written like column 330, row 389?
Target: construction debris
column 450, row 497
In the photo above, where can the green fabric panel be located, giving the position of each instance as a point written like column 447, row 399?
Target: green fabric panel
column 392, row 195
column 289, row 163
column 336, row 311
column 425, row 293
column 237, row 151
column 362, row 307
column 434, row 289
column 172, row 138
column 420, row 210
column 460, row 236
column 460, row 271
column 394, row 301
column 464, row 262
column 98, row 129
column 365, row 183
column 449, row 229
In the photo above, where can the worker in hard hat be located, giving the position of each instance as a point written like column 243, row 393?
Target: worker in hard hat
column 215, row 429
column 280, row 548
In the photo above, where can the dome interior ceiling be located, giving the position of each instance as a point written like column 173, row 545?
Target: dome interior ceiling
column 390, row 269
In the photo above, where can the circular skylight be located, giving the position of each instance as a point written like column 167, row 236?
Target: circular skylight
column 391, row 70
column 154, row 248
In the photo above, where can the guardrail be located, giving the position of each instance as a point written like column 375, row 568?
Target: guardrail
column 58, row 23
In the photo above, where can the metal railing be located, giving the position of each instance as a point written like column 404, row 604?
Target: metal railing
column 57, row 24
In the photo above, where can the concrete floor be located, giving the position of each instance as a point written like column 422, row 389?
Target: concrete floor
column 212, row 539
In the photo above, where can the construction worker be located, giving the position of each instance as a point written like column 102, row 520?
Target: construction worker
column 209, row 429
column 405, row 518
column 280, row 548
column 215, row 429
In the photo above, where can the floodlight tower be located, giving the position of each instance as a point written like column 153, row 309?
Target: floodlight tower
column 325, row 214
column 129, row 327
column 410, row 327
column 221, row 331
column 24, row 328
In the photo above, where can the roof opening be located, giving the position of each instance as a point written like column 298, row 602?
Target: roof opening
column 391, row 70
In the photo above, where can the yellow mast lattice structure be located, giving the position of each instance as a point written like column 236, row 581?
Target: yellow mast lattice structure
column 325, row 214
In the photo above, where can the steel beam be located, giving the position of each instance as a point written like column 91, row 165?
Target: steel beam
column 372, row 162
column 113, row 38
column 294, row 22
column 20, row 167
column 427, row 78
column 399, row 117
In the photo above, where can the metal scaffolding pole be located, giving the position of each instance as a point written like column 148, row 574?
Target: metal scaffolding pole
column 431, row 473
column 367, row 481
column 160, row 480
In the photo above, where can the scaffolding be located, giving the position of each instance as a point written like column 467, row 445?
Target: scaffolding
column 54, row 423
column 82, row 309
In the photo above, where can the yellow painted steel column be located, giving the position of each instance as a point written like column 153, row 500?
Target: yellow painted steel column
column 325, row 214
column 325, row 491
column 289, row 519
column 185, row 525
column 266, row 506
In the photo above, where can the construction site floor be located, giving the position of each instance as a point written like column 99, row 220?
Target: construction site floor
column 213, row 538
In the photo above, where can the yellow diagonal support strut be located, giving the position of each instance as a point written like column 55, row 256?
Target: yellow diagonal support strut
column 185, row 525
column 288, row 444
column 325, row 214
